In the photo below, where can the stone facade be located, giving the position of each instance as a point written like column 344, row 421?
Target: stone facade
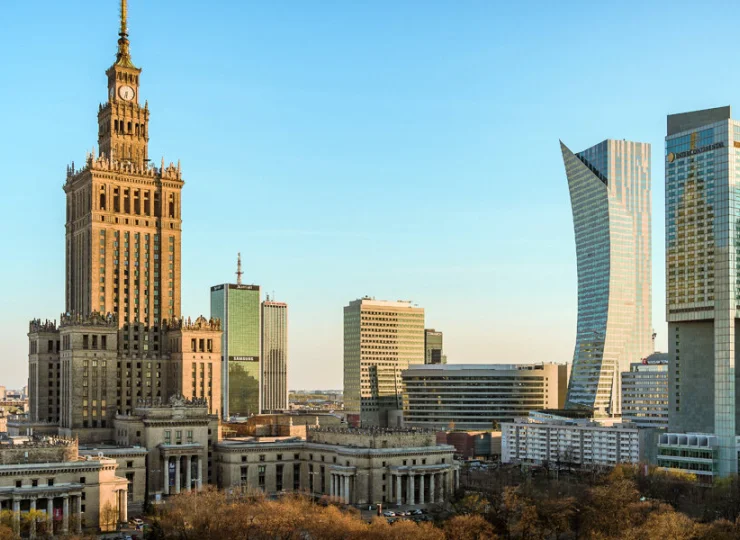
column 131, row 463
column 354, row 466
column 121, row 337
column 74, row 493
column 179, row 439
column 104, row 370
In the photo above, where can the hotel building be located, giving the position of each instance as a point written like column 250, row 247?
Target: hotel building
column 702, row 287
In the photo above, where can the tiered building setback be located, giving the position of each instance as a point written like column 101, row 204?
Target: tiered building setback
column 121, row 341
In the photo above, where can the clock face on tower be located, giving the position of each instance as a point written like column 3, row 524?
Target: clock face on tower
column 126, row 92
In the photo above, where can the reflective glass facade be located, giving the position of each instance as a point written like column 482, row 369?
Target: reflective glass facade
column 610, row 195
column 238, row 307
column 702, row 290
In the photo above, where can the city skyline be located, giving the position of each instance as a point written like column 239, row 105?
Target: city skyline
column 486, row 263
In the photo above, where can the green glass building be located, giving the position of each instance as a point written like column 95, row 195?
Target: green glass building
column 238, row 307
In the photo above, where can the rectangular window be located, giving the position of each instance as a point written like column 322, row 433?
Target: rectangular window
column 167, row 437
column 279, row 478
column 296, row 476
column 261, row 480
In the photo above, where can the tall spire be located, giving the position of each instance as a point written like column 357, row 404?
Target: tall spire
column 239, row 272
column 123, row 56
column 124, row 17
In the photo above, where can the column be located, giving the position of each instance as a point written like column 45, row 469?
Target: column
column 123, row 517
column 410, row 497
column 177, row 474
column 50, row 516
column 188, row 467
column 200, row 473
column 457, row 479
column 65, row 513
column 17, row 516
column 345, row 479
column 331, row 485
column 78, row 525
column 431, row 488
column 33, row 520
column 421, row 489
column 398, row 489
column 166, row 476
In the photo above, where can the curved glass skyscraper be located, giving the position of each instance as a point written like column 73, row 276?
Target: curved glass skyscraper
column 611, row 201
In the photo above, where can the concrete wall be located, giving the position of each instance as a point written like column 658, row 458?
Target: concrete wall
column 369, row 439
column 691, row 392
column 39, row 453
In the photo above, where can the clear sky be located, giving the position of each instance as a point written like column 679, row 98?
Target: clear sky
column 403, row 150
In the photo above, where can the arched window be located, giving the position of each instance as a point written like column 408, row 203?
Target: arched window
column 102, row 197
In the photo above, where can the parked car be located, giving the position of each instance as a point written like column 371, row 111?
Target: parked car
column 389, row 513
column 417, row 512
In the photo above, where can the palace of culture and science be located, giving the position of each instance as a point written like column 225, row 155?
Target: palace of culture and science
column 138, row 387
column 121, row 341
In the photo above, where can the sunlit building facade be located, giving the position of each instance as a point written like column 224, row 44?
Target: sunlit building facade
column 381, row 339
column 611, row 202
column 238, row 307
column 702, row 288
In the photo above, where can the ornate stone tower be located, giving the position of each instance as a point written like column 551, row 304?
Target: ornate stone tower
column 123, row 231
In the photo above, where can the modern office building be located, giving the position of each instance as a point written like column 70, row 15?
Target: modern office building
column 238, row 307
column 556, row 440
column 274, row 356
column 702, row 289
column 645, row 392
column 611, row 202
column 433, row 347
column 479, row 396
column 381, row 339
column 122, row 338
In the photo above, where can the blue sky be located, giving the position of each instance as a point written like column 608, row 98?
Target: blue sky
column 405, row 150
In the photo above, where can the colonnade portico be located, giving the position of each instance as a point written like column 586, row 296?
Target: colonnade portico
column 341, row 482
column 424, row 484
column 179, row 461
column 58, row 504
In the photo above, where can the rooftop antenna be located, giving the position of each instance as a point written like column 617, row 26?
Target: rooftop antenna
column 239, row 272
